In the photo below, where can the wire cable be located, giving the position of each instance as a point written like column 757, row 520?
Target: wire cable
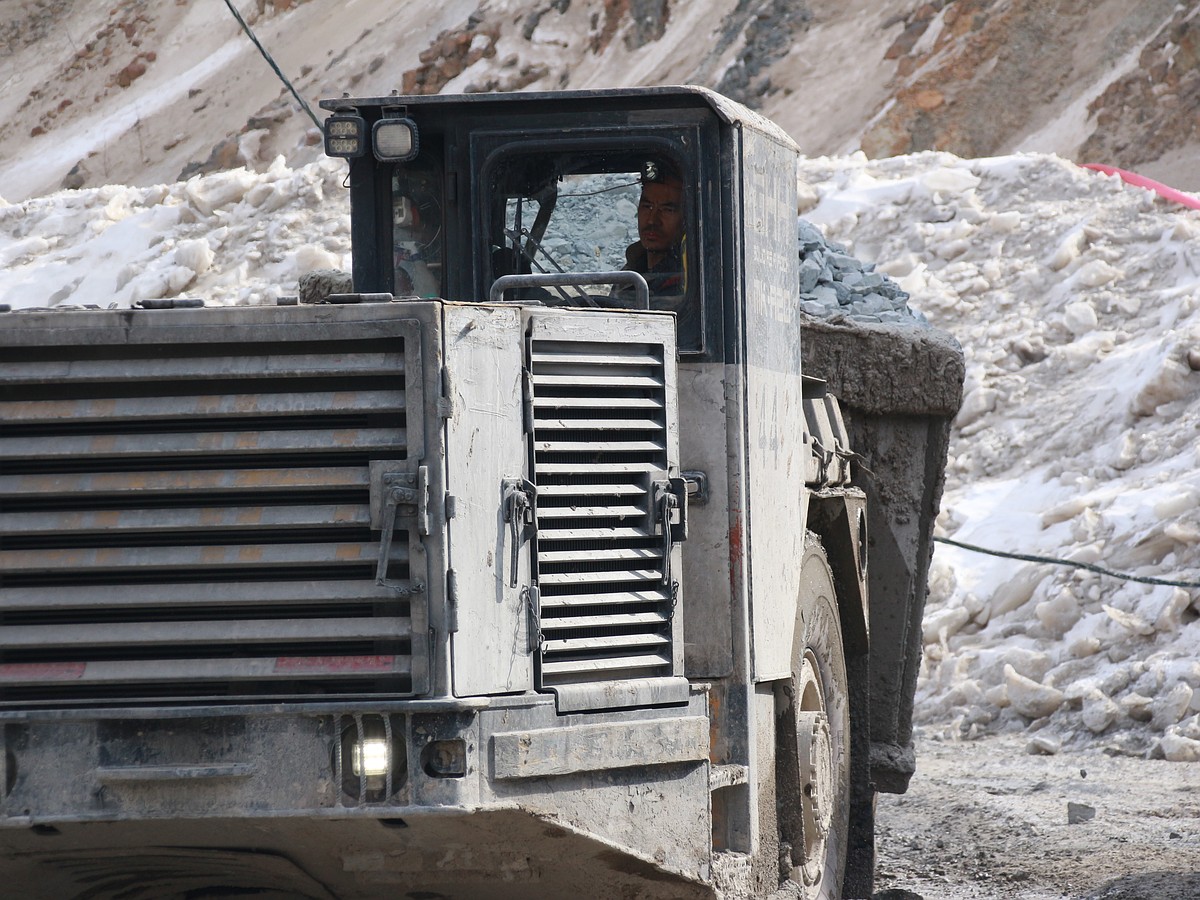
column 1028, row 557
column 271, row 62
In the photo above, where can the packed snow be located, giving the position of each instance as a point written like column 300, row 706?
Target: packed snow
column 1076, row 299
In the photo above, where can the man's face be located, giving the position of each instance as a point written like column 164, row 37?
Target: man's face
column 660, row 215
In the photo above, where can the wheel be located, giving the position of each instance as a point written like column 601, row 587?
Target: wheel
column 813, row 741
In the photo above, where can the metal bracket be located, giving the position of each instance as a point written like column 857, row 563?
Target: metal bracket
column 390, row 491
column 697, row 486
column 519, row 503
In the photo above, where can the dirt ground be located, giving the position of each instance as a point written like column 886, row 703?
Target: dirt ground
column 985, row 819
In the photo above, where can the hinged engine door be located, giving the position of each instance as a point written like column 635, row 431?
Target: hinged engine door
column 485, row 457
column 605, row 445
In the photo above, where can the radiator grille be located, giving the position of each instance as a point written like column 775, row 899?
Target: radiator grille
column 190, row 520
column 600, row 446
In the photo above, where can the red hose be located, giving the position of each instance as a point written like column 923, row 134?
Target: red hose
column 1189, row 200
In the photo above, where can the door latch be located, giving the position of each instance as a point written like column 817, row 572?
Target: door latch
column 519, row 502
column 671, row 504
column 392, row 490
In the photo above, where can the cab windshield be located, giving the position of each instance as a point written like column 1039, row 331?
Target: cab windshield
column 602, row 213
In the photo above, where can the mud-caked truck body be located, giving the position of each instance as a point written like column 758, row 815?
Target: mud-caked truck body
column 506, row 575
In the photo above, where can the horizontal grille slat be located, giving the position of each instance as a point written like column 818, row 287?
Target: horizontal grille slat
column 242, row 443
column 612, row 601
column 558, row 535
column 186, row 506
column 139, row 409
column 593, row 355
column 624, row 489
column 283, row 365
column 293, row 595
column 548, row 402
column 193, row 559
column 596, row 382
column 622, row 576
column 192, row 519
column 229, row 634
column 605, row 554
column 608, row 446
column 145, row 483
column 589, row 469
column 609, row 620
column 547, row 513
column 600, row 644
column 548, row 424
column 606, row 667
column 185, row 672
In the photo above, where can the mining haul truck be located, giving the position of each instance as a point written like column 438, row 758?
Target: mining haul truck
column 507, row 571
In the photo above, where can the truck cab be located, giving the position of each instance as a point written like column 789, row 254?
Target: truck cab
column 537, row 200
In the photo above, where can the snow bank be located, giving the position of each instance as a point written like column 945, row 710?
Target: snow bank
column 235, row 237
column 1077, row 301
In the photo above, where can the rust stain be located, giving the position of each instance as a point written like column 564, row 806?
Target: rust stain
column 208, row 405
column 42, row 671
column 103, row 443
column 212, row 555
column 250, row 554
column 247, row 441
column 735, row 552
column 211, row 516
column 335, row 663
column 347, row 552
column 109, row 518
column 251, row 515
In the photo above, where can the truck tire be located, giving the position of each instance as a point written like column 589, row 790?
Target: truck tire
column 813, row 742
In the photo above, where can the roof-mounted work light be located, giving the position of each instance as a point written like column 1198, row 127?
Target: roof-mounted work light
column 345, row 135
column 395, row 139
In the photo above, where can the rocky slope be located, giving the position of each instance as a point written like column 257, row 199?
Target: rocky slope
column 137, row 92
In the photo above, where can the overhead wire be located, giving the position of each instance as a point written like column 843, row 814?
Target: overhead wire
column 1055, row 561
column 271, row 62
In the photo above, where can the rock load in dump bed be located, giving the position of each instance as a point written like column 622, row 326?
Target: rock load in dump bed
column 900, row 385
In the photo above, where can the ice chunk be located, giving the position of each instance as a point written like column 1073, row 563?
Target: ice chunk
column 1030, row 698
column 1099, row 712
column 1169, row 708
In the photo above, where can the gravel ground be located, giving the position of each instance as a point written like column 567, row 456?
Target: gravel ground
column 985, row 819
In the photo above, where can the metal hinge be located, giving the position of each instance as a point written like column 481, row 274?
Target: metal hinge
column 527, row 400
column 451, row 601
column 445, row 403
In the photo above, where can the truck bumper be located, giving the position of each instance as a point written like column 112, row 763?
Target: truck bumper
column 483, row 800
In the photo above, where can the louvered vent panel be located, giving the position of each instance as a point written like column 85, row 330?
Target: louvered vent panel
column 600, row 445
column 191, row 520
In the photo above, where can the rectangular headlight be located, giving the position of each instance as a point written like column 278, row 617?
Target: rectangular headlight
column 345, row 136
column 395, row 140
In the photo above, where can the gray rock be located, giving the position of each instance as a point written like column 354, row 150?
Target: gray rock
column 1077, row 813
column 318, row 284
column 810, row 274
